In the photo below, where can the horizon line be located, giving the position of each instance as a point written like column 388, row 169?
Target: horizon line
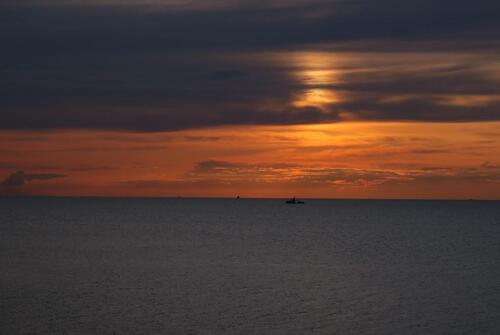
column 240, row 198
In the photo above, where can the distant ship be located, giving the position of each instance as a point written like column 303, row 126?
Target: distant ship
column 294, row 201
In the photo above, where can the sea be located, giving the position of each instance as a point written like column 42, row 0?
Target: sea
column 248, row 266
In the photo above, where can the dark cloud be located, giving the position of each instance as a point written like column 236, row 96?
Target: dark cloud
column 202, row 138
column 429, row 151
column 489, row 165
column 287, row 173
column 7, row 166
column 19, row 178
column 423, row 108
column 213, row 166
column 225, row 178
column 345, row 176
column 238, row 172
column 227, row 172
column 92, row 168
column 119, row 26
column 164, row 67
column 227, row 74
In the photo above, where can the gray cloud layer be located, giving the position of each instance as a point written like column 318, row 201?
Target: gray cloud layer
column 156, row 67
column 136, row 27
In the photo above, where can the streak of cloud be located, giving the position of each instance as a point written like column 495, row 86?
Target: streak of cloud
column 19, row 178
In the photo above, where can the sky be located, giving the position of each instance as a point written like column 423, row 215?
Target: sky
column 218, row 98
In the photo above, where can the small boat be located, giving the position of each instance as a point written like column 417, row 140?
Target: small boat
column 294, row 201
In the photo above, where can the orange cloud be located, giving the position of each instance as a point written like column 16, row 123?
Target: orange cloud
column 355, row 160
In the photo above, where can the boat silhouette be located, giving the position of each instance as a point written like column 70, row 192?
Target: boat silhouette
column 294, row 201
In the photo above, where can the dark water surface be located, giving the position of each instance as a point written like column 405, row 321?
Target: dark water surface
column 185, row 266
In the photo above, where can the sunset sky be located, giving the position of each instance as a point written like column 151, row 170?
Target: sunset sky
column 218, row 98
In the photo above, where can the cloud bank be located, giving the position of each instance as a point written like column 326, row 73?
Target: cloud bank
column 171, row 65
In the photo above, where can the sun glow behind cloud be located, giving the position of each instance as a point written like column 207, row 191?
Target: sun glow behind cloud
column 315, row 71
